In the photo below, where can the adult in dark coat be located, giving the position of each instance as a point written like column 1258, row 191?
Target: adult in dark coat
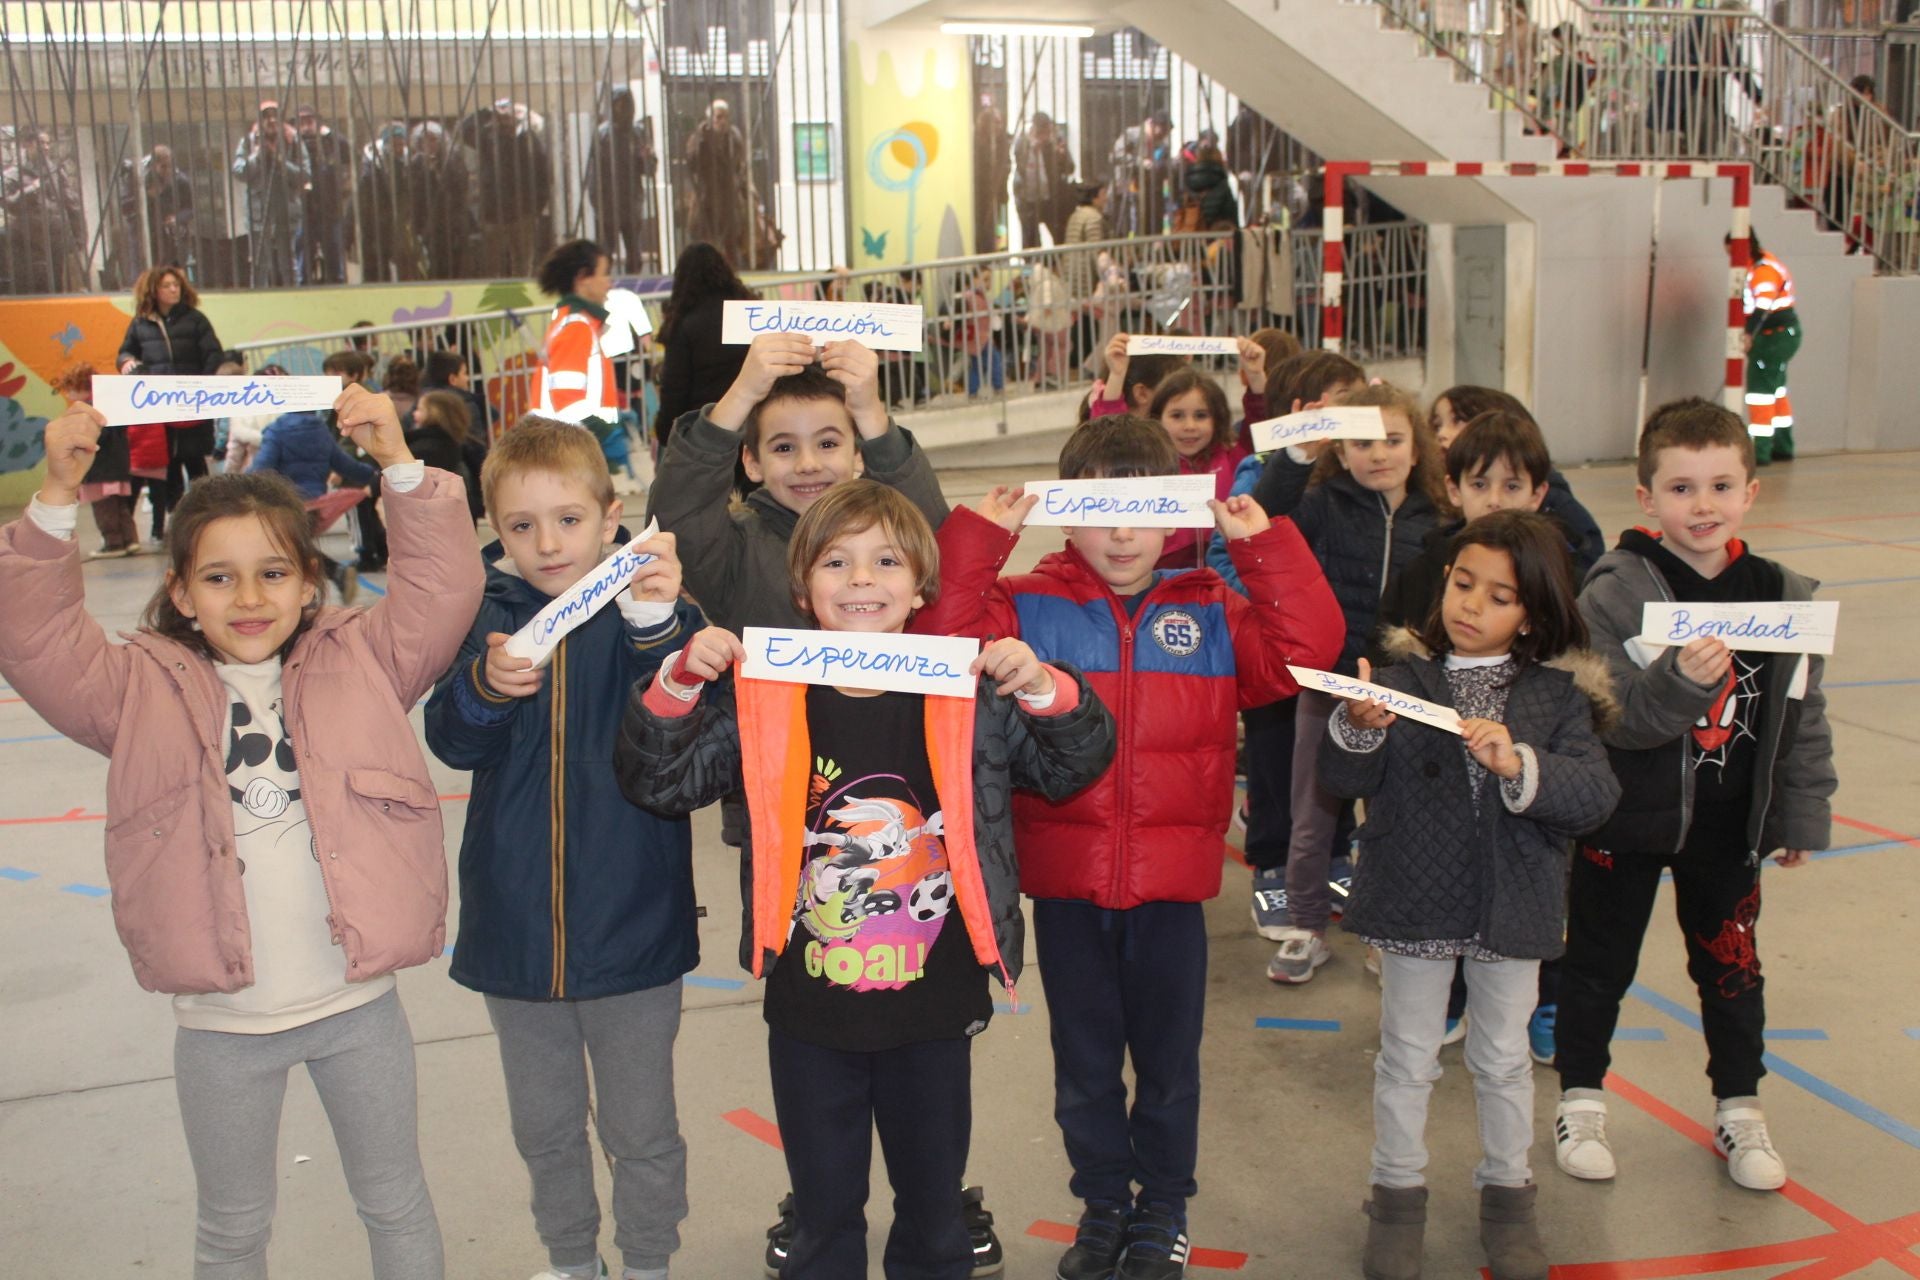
column 620, row 184
column 320, row 239
column 170, row 334
column 440, row 201
column 698, row 368
column 515, row 189
column 169, row 198
column 717, row 168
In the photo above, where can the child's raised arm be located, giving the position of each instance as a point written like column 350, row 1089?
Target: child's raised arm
column 973, row 549
column 51, row 650
column 1289, row 616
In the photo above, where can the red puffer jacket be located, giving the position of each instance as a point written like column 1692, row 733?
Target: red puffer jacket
column 147, row 447
column 1174, row 674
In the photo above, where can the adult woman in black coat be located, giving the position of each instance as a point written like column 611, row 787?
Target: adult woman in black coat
column 170, row 334
column 698, row 368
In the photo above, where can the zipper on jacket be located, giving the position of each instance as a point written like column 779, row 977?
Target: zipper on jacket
column 288, row 679
column 557, row 816
column 1386, row 548
column 1123, row 804
column 1765, row 780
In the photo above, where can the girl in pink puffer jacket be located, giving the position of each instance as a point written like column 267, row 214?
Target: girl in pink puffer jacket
column 273, row 836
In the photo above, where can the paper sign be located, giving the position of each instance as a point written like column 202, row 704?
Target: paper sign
column 862, row 660
column 131, row 399
column 879, row 326
column 579, row 602
column 1769, row 626
column 1332, row 422
column 1180, row 344
column 627, row 323
column 1356, row 690
column 1143, row 502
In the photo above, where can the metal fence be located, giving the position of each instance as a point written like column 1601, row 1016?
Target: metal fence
column 998, row 327
column 1677, row 84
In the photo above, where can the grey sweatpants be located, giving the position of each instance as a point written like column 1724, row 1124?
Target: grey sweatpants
column 1316, row 817
column 1501, row 995
column 544, row 1048
column 231, row 1088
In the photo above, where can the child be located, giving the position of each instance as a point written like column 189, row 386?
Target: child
column 1724, row 757
column 857, row 859
column 576, row 908
column 105, row 488
column 301, row 447
column 800, row 421
column 1190, row 406
column 1455, row 407
column 978, row 326
column 273, row 894
column 1130, row 381
column 1365, row 507
column 1120, row 872
column 1307, row 380
column 1264, row 350
column 441, row 424
column 1463, row 855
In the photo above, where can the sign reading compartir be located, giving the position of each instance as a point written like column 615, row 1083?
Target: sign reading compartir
column 129, row 400
column 862, row 660
column 1180, row 344
column 1356, row 690
column 1769, row 626
column 1332, row 422
column 1155, row 502
column 579, row 602
column 881, row 326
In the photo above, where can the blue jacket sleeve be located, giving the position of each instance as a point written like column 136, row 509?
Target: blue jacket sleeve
column 1589, row 543
column 1245, row 476
column 348, row 467
column 268, row 459
column 469, row 726
column 646, row 650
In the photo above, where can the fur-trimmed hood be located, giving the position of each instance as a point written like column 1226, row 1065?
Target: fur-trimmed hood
column 1588, row 669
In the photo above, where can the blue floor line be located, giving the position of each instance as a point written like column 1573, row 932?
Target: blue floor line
column 1001, row 1006
column 16, row 873
column 718, row 984
column 1866, row 684
column 1913, row 1033
column 1820, row 1088
column 86, row 890
column 1794, row 1033
column 1639, row 1033
column 1296, row 1024
column 32, row 737
column 367, row 584
column 1870, row 582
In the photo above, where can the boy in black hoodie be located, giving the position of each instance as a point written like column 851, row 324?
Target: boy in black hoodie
column 1723, row 757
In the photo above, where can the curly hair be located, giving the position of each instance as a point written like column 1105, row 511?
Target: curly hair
column 703, row 272
column 567, row 263
column 146, row 291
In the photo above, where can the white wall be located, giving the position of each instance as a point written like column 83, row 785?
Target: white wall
column 1883, row 375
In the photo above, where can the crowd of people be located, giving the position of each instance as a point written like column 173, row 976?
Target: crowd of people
column 1502, row 877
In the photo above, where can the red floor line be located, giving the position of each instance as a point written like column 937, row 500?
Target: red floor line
column 1872, row 830
column 1843, row 537
column 71, row 815
column 1891, row 515
column 755, row 1125
column 1212, row 1259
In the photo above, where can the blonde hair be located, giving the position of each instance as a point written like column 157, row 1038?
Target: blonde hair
column 1427, row 473
column 448, row 411
column 854, row 506
column 545, row 444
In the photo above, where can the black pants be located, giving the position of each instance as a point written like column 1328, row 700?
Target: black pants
column 370, row 535
column 828, row 1103
column 1717, row 898
column 158, row 499
column 1269, row 783
column 1126, row 984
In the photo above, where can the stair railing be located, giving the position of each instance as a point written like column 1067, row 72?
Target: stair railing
column 1679, row 84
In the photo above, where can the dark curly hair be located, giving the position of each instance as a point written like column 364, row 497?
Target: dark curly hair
column 703, row 272
column 566, row 264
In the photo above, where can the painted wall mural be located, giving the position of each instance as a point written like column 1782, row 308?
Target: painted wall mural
column 912, row 133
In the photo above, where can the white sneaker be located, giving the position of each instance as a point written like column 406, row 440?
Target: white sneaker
column 600, row 1273
column 1580, row 1139
column 1740, row 1134
column 1301, row 952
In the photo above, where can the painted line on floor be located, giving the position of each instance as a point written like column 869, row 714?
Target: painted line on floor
column 1801, row 526
column 1823, row 1089
column 367, row 584
column 34, row 737
column 1794, row 1033
column 17, row 874
column 1850, row 1246
column 718, row 984
column 10, row 701
column 1649, row 1034
column 1866, row 684
column 71, row 815
column 1296, row 1024
column 1885, row 833
column 1213, row 1259
column 87, row 890
column 1870, row 582
column 1820, row 546
column 1002, row 1006
column 1847, row 537
column 1913, row 1033
column 755, row 1125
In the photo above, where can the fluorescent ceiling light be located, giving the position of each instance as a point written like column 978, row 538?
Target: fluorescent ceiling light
column 1069, row 31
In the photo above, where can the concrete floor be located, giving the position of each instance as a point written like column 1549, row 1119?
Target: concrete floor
column 94, row 1177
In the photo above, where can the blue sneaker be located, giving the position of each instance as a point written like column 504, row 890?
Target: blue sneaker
column 1156, row 1245
column 1456, row 1030
column 1340, row 884
column 1270, row 917
column 1540, row 1033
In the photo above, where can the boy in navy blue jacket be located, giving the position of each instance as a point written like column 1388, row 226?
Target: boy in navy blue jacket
column 577, row 916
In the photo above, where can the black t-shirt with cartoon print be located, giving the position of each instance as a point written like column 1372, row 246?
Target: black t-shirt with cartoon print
column 879, row 956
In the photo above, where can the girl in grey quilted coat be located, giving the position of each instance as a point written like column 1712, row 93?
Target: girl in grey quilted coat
column 1465, row 853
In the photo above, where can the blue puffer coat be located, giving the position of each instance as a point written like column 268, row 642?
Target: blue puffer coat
column 299, row 447
column 567, row 891
column 1359, row 542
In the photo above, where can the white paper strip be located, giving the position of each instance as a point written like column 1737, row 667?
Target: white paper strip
column 579, row 602
column 1768, row 626
column 879, row 326
column 1357, row 690
column 1180, row 344
column 862, row 660
column 131, row 399
column 1144, row 502
column 1334, row 422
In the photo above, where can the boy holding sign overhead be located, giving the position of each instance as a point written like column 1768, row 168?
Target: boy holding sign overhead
column 1119, row 872
column 882, row 882
column 1724, row 756
column 576, row 907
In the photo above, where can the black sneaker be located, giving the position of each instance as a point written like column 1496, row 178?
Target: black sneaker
column 989, row 1259
column 1097, row 1245
column 1156, row 1245
column 780, row 1238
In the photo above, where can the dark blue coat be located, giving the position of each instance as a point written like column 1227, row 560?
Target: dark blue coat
column 299, row 447
column 567, row 891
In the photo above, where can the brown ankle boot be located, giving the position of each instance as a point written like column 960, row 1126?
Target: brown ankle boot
column 1510, row 1235
column 1396, row 1233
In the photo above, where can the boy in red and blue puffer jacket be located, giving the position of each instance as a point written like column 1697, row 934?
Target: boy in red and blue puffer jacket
column 1119, row 872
